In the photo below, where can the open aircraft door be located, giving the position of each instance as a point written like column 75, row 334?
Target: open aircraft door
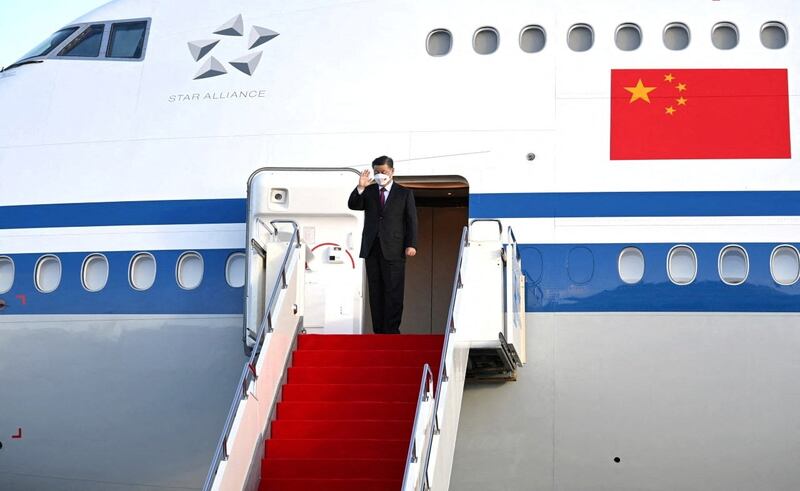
column 315, row 200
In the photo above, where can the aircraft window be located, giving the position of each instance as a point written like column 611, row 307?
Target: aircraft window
column 486, row 41
column 580, row 37
column 45, row 47
column 774, row 35
column 784, row 264
column 127, row 40
column 142, row 271
column 6, row 274
column 47, row 275
column 725, row 36
column 87, row 44
column 631, row 265
column 682, row 265
column 94, row 275
column 532, row 39
column 676, row 36
column 439, row 42
column 734, row 265
column 628, row 37
column 189, row 271
column 235, row 270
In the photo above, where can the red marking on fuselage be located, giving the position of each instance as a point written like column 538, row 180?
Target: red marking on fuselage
column 23, row 299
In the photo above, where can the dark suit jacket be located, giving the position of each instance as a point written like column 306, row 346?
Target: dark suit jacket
column 395, row 225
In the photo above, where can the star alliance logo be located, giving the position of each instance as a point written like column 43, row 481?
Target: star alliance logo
column 246, row 64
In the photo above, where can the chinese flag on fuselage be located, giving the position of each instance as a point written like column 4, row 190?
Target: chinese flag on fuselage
column 700, row 114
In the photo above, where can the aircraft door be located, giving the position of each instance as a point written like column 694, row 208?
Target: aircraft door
column 316, row 200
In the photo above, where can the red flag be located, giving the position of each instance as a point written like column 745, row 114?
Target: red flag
column 699, row 114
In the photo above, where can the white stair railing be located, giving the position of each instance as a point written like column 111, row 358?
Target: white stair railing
column 428, row 427
column 236, row 461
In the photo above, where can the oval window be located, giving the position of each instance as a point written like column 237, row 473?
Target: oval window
column 532, row 39
column 190, row 270
column 628, row 37
column 676, row 36
column 784, row 264
column 47, row 275
column 439, row 42
column 682, row 265
column 486, row 41
column 580, row 37
column 6, row 274
column 142, row 272
column 631, row 265
column 580, row 265
column 734, row 265
column 94, row 273
column 774, row 35
column 725, row 36
column 234, row 270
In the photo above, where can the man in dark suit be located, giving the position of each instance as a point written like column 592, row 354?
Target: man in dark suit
column 390, row 235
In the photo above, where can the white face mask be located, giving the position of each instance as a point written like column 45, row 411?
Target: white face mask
column 382, row 179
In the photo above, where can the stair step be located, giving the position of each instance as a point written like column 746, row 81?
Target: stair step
column 288, row 410
column 354, row 375
column 348, row 468
column 351, row 392
column 365, row 358
column 307, row 448
column 365, row 429
column 271, row 484
column 420, row 342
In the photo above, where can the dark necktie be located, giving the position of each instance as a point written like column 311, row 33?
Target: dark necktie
column 383, row 197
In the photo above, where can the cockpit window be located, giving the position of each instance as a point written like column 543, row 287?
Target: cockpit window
column 127, row 40
column 51, row 43
column 87, row 44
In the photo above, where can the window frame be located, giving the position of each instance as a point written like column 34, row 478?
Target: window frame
column 83, row 30
column 132, row 263
column 438, row 30
column 532, row 27
column 628, row 25
column 13, row 273
column 677, row 25
column 581, row 25
column 729, row 25
column 228, row 262
column 772, row 263
column 619, row 264
column 108, row 25
column 85, row 269
column 722, row 252
column 107, row 44
column 480, row 31
column 669, row 260
column 773, row 23
column 37, row 270
column 180, row 261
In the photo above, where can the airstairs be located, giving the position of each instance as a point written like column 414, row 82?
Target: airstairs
column 318, row 409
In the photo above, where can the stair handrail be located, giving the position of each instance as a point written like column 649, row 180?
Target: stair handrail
column 249, row 371
column 425, row 394
column 450, row 328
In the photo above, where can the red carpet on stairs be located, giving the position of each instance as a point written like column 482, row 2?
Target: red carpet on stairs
column 346, row 412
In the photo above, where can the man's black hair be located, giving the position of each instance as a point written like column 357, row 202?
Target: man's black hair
column 383, row 159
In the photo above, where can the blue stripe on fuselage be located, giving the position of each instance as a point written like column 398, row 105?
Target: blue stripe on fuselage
column 585, row 278
column 489, row 205
column 635, row 204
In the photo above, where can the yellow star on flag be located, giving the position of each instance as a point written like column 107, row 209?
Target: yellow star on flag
column 668, row 77
column 681, row 87
column 670, row 110
column 681, row 101
column 640, row 92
